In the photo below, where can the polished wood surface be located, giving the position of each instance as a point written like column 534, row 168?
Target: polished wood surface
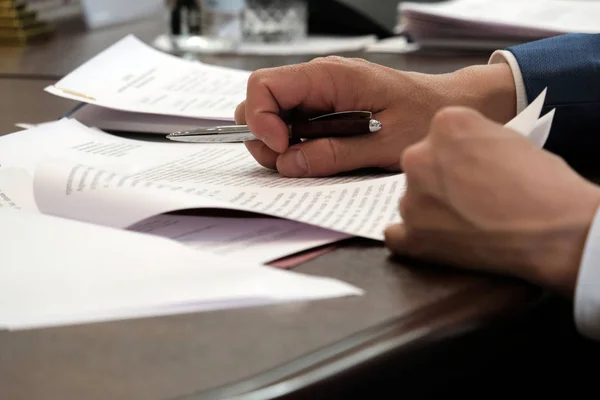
column 24, row 101
column 175, row 357
column 235, row 351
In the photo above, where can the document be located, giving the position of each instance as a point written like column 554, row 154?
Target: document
column 360, row 208
column 491, row 24
column 79, row 173
column 256, row 240
column 55, row 271
column 132, row 76
column 16, row 190
column 515, row 17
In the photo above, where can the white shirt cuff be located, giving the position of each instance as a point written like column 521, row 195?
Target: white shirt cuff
column 587, row 292
column 504, row 56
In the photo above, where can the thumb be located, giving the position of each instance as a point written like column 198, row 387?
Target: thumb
column 328, row 156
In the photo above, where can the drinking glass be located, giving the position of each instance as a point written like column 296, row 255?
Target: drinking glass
column 275, row 21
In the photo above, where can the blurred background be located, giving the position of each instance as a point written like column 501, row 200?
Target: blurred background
column 308, row 26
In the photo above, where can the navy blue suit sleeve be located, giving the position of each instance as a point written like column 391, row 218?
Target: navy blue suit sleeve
column 569, row 66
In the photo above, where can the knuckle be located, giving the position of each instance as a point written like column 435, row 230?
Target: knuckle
column 444, row 117
column 359, row 60
column 354, row 63
column 451, row 121
column 413, row 160
column 338, row 155
column 257, row 77
column 558, row 160
column 329, row 60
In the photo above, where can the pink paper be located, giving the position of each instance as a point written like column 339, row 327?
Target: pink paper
column 295, row 260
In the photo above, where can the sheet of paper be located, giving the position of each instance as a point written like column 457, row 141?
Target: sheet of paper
column 527, row 119
column 24, row 149
column 542, row 128
column 16, row 189
column 91, row 173
column 363, row 208
column 255, row 240
column 258, row 240
column 124, row 121
column 395, row 45
column 561, row 16
column 132, row 76
column 55, row 271
column 178, row 176
column 530, row 125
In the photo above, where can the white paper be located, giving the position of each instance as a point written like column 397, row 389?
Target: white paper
column 562, row 16
column 395, row 45
column 255, row 240
column 528, row 123
column 132, row 76
column 55, row 271
column 542, row 128
column 124, row 121
column 16, row 190
column 526, row 120
column 363, row 208
column 177, row 176
column 90, row 173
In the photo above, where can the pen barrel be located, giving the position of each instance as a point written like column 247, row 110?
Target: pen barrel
column 320, row 129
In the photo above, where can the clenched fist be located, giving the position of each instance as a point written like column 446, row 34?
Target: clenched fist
column 480, row 195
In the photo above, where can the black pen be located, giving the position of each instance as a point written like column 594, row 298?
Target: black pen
column 339, row 124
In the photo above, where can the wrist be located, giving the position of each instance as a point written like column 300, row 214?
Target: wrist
column 490, row 89
column 558, row 253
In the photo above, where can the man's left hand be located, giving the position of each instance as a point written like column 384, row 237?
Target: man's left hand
column 482, row 196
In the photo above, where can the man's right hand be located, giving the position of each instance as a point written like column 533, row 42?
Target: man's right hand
column 404, row 102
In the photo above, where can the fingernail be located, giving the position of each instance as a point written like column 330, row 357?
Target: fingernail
column 292, row 164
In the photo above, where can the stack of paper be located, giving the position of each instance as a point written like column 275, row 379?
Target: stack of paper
column 56, row 272
column 132, row 87
column 493, row 24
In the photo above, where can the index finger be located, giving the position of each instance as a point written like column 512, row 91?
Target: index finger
column 271, row 91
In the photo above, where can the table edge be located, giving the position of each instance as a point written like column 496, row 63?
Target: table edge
column 441, row 321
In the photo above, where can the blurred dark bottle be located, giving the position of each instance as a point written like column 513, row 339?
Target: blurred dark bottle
column 185, row 17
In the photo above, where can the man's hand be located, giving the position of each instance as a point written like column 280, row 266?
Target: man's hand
column 482, row 196
column 404, row 102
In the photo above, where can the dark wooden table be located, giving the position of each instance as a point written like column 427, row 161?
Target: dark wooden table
column 327, row 348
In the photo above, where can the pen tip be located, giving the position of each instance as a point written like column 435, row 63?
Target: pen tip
column 375, row 125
